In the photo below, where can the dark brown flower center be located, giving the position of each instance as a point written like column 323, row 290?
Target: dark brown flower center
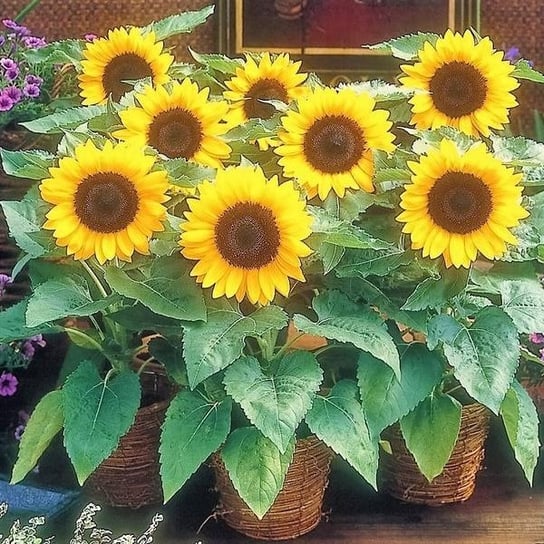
column 460, row 202
column 458, row 89
column 106, row 202
column 334, row 144
column 264, row 89
column 125, row 67
column 175, row 133
column 247, row 235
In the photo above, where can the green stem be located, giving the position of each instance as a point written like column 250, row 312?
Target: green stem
column 285, row 347
column 97, row 327
column 95, row 279
column 26, row 10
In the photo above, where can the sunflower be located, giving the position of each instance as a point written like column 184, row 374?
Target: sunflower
column 462, row 84
column 179, row 122
column 276, row 79
column 104, row 204
column 246, row 233
column 122, row 56
column 328, row 143
column 460, row 204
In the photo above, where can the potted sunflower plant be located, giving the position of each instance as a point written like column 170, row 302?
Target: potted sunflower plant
column 205, row 239
column 460, row 286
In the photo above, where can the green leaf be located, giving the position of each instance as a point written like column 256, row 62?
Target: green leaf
column 133, row 317
column 211, row 346
column 517, row 149
column 360, row 263
column 275, row 403
column 97, row 414
column 167, row 290
column 338, row 421
column 256, row 467
column 45, row 422
column 65, row 119
column 218, row 63
column 59, row 52
column 406, row 47
column 434, row 292
column 524, row 70
column 28, row 164
column 22, row 220
column 331, row 255
column 387, row 399
column 484, row 356
column 63, row 297
column 13, row 324
column 183, row 173
column 430, row 432
column 523, row 301
column 171, row 357
column 342, row 320
column 490, row 281
column 193, row 429
column 179, row 23
column 520, row 420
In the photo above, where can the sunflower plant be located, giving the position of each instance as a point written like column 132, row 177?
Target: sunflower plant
column 242, row 204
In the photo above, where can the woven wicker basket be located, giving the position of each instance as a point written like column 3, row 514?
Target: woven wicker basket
column 402, row 478
column 130, row 477
column 297, row 509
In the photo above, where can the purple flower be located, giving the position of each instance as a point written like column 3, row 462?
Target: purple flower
column 542, row 354
column 18, row 433
column 90, row 37
column 12, row 73
column 8, row 64
column 20, row 30
column 5, row 280
column 8, row 384
column 31, row 91
column 536, row 338
column 513, row 54
column 6, row 103
column 33, row 80
column 14, row 93
column 28, row 349
column 2, row 40
column 32, row 42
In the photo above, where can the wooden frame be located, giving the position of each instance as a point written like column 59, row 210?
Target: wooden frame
column 327, row 35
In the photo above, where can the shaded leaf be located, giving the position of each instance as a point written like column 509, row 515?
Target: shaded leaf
column 523, row 301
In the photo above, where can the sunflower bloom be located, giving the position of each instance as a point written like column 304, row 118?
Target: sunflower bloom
column 178, row 122
column 460, row 204
column 125, row 55
column 328, row 143
column 462, row 84
column 271, row 79
column 104, row 204
column 246, row 232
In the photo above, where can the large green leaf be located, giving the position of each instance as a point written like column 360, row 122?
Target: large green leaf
column 216, row 62
column 430, row 432
column 275, row 402
column 13, row 324
column 520, row 420
column 406, row 47
column 96, row 415
column 490, row 281
column 524, row 70
column 167, row 289
column 171, row 357
column 256, row 467
column 384, row 397
column 59, row 121
column 193, row 429
column 338, row 421
column 133, row 317
column 28, row 164
column 342, row 320
column 523, row 301
column 211, row 346
column 434, row 292
column 180, row 23
column 183, row 173
column 45, row 422
column 484, row 356
column 359, row 263
column 59, row 52
column 63, row 297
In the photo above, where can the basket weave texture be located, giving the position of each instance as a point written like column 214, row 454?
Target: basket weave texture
column 75, row 18
column 402, row 478
column 298, row 507
column 130, row 476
